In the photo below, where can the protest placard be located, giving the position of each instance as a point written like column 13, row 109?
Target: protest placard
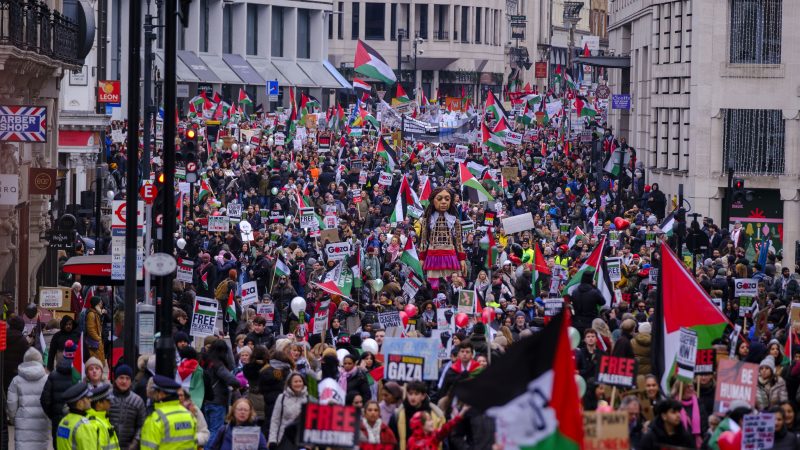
column 614, row 269
column 704, row 361
column 412, row 285
column 403, row 368
column 204, row 317
column 466, row 301
column 219, row 224
column 605, row 431
column 55, row 298
column 758, row 431
column 425, row 348
column 687, row 354
column 385, row 179
column 553, row 306
column 617, row 371
column 329, row 425
column 249, row 293
column 736, row 380
column 267, row 311
column 745, row 287
column 307, row 218
column 185, row 270
column 652, row 276
column 235, row 211
column 245, row 438
column 745, row 305
column 518, row 223
column 321, row 317
column 337, row 251
column 390, row 319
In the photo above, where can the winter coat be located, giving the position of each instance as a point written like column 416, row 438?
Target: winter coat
column 785, row 440
column 588, row 363
column 219, row 378
column 94, row 335
column 358, row 384
column 57, row 382
column 586, row 303
column 771, row 393
column 641, row 351
column 657, row 437
column 623, row 346
column 386, row 437
column 25, row 408
column 271, row 382
column 475, row 432
column 224, row 439
column 287, row 408
column 56, row 347
column 16, row 346
column 127, row 414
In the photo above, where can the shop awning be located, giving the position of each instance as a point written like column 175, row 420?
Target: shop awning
column 221, row 69
column 429, row 63
column 243, row 69
column 609, row 62
column 336, row 75
column 198, row 67
column 319, row 74
column 181, row 70
column 294, row 74
column 95, row 270
column 78, row 141
column 268, row 71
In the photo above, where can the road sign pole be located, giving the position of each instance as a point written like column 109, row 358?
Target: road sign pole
column 148, row 238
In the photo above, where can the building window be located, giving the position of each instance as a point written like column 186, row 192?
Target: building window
column 330, row 26
column 252, row 29
column 303, row 33
column 204, row 13
column 393, row 22
column 753, row 141
column 340, row 22
column 355, row 16
column 227, row 30
column 464, row 24
column 423, row 21
column 375, row 17
column 478, row 27
column 755, row 32
column 277, row 31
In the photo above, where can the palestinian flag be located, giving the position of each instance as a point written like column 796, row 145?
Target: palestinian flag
column 595, row 219
column 583, row 108
column 243, row 98
column 370, row 63
column 476, row 169
column 501, row 128
column 338, row 281
column 361, row 85
column 230, row 308
column 681, row 303
column 576, row 236
column 539, row 267
column 472, row 188
column 490, row 183
column 487, row 243
column 400, row 96
column 281, row 269
column 425, row 194
column 527, row 116
column 668, row 224
column 204, row 280
column 542, row 387
column 387, row 152
column 613, row 165
column 309, row 102
column 410, row 258
column 570, row 83
column 596, row 264
column 492, row 141
column 405, row 197
column 494, row 107
column 292, row 105
column 205, row 190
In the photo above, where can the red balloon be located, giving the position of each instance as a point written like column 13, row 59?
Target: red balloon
column 404, row 318
column 729, row 440
column 462, row 320
column 487, row 315
column 621, row 223
column 411, row 310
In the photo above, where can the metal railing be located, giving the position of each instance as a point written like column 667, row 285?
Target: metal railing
column 31, row 25
column 441, row 35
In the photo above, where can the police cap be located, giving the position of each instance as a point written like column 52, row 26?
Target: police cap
column 101, row 392
column 76, row 392
column 165, row 384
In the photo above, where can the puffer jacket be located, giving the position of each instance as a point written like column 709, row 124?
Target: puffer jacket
column 771, row 393
column 287, row 409
column 25, row 409
column 641, row 351
column 57, row 382
column 127, row 414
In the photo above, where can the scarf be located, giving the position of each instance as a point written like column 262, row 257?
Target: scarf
column 694, row 427
column 344, row 375
column 373, row 432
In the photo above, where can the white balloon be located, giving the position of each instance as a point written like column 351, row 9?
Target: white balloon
column 235, row 146
column 341, row 353
column 355, row 149
column 247, row 148
column 298, row 305
column 370, row 345
column 574, row 337
column 181, row 243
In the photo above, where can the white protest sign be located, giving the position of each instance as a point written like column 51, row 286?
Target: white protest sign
column 267, row 311
column 687, row 354
column 553, row 306
column 390, row 319
column 758, row 431
column 385, row 179
column 245, row 438
column 461, row 153
column 204, row 318
column 185, row 271
column 307, row 218
column 337, row 251
column 513, row 138
column 249, row 293
column 235, row 210
column 219, row 224
column 518, row 224
column 745, row 287
column 51, row 298
column 280, row 138
column 614, row 269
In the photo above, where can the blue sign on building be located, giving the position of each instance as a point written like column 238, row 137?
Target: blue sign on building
column 621, row 101
column 272, row 89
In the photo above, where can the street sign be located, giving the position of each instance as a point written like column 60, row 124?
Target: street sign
column 602, row 92
column 160, row 264
column 191, row 167
column 148, row 192
column 272, row 90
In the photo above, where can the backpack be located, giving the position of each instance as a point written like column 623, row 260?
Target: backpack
column 221, row 292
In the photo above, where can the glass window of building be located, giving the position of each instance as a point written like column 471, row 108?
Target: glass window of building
column 277, row 31
column 375, row 19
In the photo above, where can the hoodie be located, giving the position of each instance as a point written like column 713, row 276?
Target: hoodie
column 59, row 339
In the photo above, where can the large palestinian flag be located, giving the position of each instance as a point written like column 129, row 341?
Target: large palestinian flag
column 495, row 142
column 405, row 197
column 338, row 281
column 370, row 63
column 472, row 188
column 681, row 303
column 597, row 264
column 541, row 390
column 386, row 151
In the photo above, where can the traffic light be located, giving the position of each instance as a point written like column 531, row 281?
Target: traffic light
column 740, row 194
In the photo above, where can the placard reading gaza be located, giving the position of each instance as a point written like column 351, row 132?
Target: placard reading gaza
column 617, row 371
column 329, row 425
column 404, row 368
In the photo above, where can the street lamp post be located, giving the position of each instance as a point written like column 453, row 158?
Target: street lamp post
column 571, row 18
column 417, row 40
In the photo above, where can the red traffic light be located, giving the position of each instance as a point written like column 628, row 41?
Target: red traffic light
column 738, row 183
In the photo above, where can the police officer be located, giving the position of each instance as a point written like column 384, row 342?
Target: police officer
column 75, row 431
column 170, row 426
column 101, row 403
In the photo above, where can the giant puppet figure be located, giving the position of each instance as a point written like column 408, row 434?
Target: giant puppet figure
column 440, row 238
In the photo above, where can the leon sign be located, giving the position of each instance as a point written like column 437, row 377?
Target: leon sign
column 109, row 92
